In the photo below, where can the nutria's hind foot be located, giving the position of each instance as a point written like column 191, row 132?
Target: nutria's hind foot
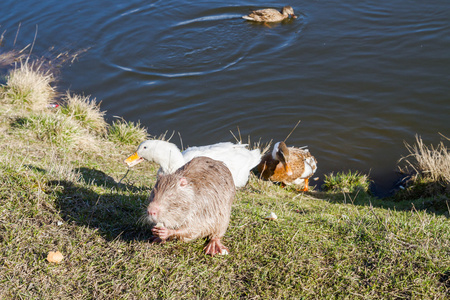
column 215, row 247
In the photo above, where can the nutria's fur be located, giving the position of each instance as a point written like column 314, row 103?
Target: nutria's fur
column 193, row 202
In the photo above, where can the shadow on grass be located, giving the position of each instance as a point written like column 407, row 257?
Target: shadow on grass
column 116, row 210
column 101, row 179
column 436, row 204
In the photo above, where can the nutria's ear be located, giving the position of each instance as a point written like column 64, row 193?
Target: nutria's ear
column 183, row 182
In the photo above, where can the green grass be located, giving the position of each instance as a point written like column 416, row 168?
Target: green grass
column 86, row 111
column 56, row 194
column 350, row 182
column 127, row 132
column 53, row 128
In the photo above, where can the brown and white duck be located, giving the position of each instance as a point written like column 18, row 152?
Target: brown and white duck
column 270, row 15
column 288, row 165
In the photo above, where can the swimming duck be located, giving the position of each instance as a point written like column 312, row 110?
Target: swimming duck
column 270, row 15
column 288, row 165
column 236, row 157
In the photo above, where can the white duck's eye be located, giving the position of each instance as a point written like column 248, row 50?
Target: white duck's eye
column 145, row 147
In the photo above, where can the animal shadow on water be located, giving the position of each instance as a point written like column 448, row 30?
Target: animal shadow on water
column 117, row 214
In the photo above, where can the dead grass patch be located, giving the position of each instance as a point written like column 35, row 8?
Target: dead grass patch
column 10, row 57
column 426, row 172
column 432, row 162
column 29, row 86
column 86, row 111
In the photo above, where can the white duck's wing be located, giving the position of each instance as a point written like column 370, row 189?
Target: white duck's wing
column 236, row 157
column 212, row 151
column 241, row 163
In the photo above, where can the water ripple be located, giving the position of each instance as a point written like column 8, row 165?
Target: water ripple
column 210, row 41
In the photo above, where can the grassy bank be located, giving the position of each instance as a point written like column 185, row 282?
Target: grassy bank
column 61, row 189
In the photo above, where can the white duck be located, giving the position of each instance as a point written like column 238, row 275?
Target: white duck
column 236, row 157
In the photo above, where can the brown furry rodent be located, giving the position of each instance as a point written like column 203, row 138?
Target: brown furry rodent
column 193, row 202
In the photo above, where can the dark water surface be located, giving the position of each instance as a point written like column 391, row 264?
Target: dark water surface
column 362, row 76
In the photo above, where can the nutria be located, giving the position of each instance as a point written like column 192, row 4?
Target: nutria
column 193, row 202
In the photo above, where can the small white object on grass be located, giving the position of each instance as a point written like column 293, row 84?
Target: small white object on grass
column 55, row 257
column 272, row 216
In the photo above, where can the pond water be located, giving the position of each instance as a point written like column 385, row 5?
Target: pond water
column 362, row 76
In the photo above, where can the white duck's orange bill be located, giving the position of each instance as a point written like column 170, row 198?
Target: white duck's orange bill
column 133, row 160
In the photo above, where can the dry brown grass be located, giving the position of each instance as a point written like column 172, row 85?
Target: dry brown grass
column 263, row 147
column 9, row 57
column 428, row 162
column 86, row 111
column 29, row 86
